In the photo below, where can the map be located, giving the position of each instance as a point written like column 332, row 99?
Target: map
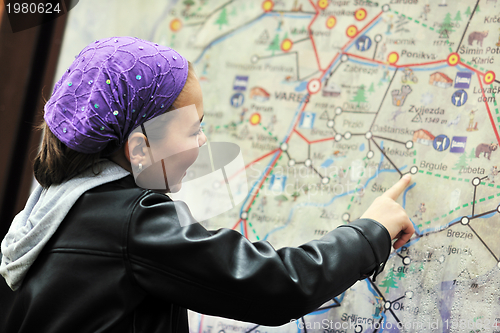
column 331, row 102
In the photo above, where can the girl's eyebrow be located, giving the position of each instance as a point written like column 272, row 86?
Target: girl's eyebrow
column 196, row 123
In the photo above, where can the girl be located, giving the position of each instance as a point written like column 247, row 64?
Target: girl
column 94, row 252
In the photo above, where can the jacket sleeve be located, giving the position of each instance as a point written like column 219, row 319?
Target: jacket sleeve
column 222, row 273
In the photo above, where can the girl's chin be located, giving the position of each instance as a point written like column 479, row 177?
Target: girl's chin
column 176, row 188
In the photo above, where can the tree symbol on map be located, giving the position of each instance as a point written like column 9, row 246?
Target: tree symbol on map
column 280, row 198
column 468, row 12
column 389, row 281
column 472, row 154
column 446, row 27
column 371, row 89
column 458, row 17
column 461, row 163
column 360, row 95
column 401, row 274
column 462, row 160
column 285, row 37
column 275, row 44
column 188, row 4
column 222, row 19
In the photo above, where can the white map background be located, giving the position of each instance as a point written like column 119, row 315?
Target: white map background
column 322, row 115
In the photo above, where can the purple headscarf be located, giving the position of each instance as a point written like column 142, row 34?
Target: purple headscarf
column 113, row 86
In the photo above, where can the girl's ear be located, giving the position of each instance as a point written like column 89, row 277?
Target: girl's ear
column 136, row 149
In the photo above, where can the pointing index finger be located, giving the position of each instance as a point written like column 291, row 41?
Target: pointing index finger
column 395, row 191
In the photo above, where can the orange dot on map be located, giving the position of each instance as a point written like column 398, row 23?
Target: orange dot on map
column 255, row 119
column 175, row 25
column 267, row 5
column 286, row 45
column 360, row 14
column 351, row 31
column 393, row 58
column 330, row 22
column 322, row 4
column 489, row 77
column 453, row 59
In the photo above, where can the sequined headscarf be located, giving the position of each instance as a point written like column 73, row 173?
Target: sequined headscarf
column 113, row 86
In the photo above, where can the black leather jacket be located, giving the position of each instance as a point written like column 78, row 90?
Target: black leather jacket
column 120, row 262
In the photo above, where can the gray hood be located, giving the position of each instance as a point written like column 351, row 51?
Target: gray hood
column 38, row 221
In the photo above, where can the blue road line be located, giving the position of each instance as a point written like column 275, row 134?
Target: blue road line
column 370, row 288
column 244, row 27
column 424, row 69
column 370, row 64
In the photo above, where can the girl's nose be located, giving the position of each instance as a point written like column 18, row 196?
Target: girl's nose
column 202, row 139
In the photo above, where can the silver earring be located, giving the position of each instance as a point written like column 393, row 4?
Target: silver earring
column 140, row 166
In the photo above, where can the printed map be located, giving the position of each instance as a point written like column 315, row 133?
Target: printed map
column 331, row 103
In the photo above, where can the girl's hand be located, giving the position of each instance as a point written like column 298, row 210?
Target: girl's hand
column 391, row 215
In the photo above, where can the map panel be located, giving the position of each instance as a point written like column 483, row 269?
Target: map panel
column 332, row 102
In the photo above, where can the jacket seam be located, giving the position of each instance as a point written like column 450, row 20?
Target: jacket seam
column 86, row 251
column 125, row 252
column 173, row 275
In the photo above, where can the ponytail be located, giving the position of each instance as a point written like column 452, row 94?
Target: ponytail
column 56, row 162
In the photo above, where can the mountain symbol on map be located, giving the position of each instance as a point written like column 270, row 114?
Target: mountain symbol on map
column 417, row 119
column 464, row 274
column 324, row 116
column 263, row 38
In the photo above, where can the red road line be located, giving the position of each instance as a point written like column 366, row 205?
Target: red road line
column 303, row 137
column 296, row 122
column 249, row 164
column 423, row 64
column 488, row 108
column 311, row 142
column 367, row 59
column 333, row 60
column 245, row 228
column 262, row 157
column 236, row 224
column 311, row 35
column 471, row 68
column 321, row 140
column 263, row 179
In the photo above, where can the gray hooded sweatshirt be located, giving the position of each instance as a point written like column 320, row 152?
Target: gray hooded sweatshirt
column 38, row 221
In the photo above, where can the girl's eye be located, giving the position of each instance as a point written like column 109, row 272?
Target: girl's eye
column 200, row 130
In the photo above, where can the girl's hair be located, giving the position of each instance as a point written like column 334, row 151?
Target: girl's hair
column 56, row 162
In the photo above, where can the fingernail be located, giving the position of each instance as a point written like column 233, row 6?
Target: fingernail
column 407, row 176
